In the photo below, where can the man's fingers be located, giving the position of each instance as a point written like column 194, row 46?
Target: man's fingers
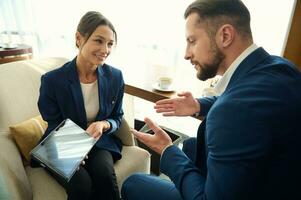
column 169, row 114
column 139, row 135
column 185, row 94
column 152, row 125
column 136, row 133
column 169, row 105
column 163, row 110
column 164, row 101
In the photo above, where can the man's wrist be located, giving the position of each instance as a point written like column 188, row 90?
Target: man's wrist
column 169, row 145
column 198, row 108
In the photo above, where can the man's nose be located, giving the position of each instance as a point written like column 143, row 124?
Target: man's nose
column 187, row 55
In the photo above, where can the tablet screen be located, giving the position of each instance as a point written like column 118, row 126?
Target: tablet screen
column 63, row 150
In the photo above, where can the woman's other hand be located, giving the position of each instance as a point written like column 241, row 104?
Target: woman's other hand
column 97, row 128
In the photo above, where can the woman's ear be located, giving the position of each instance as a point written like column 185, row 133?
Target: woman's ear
column 226, row 35
column 78, row 38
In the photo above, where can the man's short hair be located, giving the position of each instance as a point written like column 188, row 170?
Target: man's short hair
column 215, row 13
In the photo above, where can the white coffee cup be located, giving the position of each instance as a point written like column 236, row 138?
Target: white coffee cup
column 164, row 82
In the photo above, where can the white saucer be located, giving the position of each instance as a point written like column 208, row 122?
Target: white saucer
column 9, row 45
column 156, row 87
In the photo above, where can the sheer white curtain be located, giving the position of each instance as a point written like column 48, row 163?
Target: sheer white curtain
column 16, row 21
column 149, row 32
column 39, row 24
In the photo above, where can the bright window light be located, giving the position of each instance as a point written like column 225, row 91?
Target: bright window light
column 151, row 40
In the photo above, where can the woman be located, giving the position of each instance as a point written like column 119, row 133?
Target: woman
column 90, row 93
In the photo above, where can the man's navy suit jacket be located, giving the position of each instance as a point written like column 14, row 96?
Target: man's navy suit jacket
column 61, row 97
column 249, row 145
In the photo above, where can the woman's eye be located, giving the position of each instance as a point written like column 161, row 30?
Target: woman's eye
column 98, row 41
column 110, row 44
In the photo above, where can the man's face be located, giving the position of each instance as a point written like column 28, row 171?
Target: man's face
column 201, row 50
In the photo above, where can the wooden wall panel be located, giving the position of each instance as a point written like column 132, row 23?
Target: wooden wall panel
column 293, row 46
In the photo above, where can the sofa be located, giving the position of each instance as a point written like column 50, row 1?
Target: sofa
column 19, row 90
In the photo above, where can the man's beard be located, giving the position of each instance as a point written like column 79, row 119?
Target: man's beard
column 207, row 71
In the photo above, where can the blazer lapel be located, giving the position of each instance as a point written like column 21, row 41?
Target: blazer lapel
column 103, row 91
column 77, row 94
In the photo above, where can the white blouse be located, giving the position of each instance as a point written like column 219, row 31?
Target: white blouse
column 91, row 100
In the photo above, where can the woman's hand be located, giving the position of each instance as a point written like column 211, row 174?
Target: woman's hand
column 97, row 128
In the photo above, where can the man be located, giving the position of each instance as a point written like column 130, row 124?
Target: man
column 248, row 145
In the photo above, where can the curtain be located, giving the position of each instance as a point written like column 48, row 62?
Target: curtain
column 16, row 22
column 29, row 22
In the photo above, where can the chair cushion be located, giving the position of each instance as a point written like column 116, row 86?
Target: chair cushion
column 44, row 186
column 3, row 189
column 134, row 159
column 13, row 172
column 27, row 135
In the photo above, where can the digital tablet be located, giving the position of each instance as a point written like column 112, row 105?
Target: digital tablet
column 63, row 150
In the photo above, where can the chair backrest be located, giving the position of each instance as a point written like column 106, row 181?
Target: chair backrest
column 19, row 88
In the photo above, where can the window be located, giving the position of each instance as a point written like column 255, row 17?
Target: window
column 151, row 39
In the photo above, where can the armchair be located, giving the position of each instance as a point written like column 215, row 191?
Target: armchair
column 19, row 90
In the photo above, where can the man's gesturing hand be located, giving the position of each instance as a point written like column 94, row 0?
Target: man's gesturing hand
column 183, row 105
column 158, row 141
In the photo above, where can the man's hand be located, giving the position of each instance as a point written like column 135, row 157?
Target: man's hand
column 157, row 142
column 97, row 128
column 183, row 105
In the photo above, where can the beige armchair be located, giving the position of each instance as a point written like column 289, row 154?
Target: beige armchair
column 19, row 90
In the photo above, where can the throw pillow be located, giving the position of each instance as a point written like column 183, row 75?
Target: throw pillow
column 27, row 135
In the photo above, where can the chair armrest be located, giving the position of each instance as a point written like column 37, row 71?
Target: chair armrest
column 124, row 134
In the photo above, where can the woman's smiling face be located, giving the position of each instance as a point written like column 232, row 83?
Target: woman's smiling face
column 98, row 47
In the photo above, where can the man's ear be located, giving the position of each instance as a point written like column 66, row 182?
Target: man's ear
column 226, row 35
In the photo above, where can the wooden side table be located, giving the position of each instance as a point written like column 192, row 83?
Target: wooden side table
column 21, row 52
